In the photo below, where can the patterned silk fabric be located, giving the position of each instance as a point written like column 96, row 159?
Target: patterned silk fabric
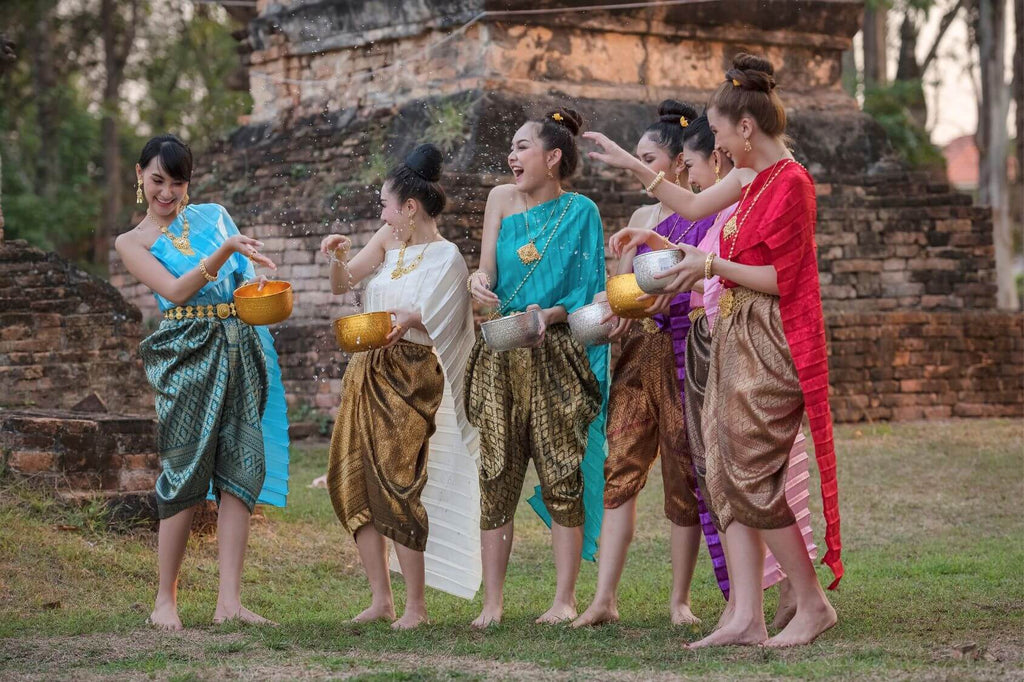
column 210, row 379
column 378, row 458
column 645, row 417
column 753, row 409
column 532, row 403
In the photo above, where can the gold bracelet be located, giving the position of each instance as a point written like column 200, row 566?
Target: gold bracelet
column 707, row 264
column 655, row 182
column 469, row 280
column 206, row 273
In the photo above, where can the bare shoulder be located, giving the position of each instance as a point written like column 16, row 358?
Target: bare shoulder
column 503, row 198
column 642, row 216
column 134, row 239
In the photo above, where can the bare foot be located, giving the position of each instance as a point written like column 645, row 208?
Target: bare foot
column 787, row 605
column 598, row 613
column 734, row 634
column 165, row 617
column 223, row 615
column 319, row 482
column 558, row 613
column 410, row 620
column 806, row 625
column 385, row 611
column 726, row 616
column 682, row 615
column 488, row 617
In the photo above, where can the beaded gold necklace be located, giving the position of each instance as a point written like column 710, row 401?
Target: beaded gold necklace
column 731, row 230
column 401, row 270
column 181, row 243
column 528, row 252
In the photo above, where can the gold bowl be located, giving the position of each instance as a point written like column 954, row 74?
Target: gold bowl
column 269, row 305
column 622, row 294
column 365, row 331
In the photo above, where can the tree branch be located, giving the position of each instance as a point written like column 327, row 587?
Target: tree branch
column 944, row 24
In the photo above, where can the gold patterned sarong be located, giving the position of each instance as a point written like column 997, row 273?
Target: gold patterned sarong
column 645, row 417
column 698, row 358
column 532, row 403
column 753, row 409
column 378, row 458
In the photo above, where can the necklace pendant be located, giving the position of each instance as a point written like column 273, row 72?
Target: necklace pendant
column 528, row 253
column 729, row 231
column 184, row 246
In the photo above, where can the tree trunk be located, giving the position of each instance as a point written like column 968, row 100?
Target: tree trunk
column 875, row 27
column 47, row 100
column 909, row 71
column 993, row 141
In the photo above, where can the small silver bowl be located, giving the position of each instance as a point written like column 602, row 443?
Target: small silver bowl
column 585, row 324
column 512, row 331
column 652, row 263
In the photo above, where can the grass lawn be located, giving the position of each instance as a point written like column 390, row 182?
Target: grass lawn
column 933, row 536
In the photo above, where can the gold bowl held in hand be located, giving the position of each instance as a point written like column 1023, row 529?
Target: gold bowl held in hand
column 585, row 324
column 512, row 331
column 622, row 294
column 647, row 265
column 365, row 331
column 269, row 305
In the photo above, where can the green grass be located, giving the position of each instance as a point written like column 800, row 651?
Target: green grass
column 933, row 546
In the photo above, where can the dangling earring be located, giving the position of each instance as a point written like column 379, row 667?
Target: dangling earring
column 138, row 192
column 550, row 174
column 718, row 175
column 184, row 203
column 412, row 227
column 746, row 145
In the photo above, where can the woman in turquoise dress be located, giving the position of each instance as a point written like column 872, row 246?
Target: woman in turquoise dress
column 222, row 428
column 543, row 248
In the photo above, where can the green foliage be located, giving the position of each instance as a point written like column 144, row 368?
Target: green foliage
column 447, row 123
column 890, row 105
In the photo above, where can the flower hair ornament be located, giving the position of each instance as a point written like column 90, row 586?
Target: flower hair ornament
column 683, row 122
column 735, row 83
column 557, row 116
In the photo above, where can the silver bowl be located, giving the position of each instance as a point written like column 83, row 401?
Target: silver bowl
column 585, row 324
column 652, row 263
column 512, row 331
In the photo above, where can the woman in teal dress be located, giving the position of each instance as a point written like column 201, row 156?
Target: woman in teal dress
column 222, row 428
column 542, row 248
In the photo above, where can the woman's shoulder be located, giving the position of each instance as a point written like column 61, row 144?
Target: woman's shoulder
column 585, row 203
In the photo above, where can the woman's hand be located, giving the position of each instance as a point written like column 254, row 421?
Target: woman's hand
column 260, row 282
column 542, row 314
column 611, row 153
column 405, row 319
column 687, row 272
column 631, row 237
column 334, row 242
column 249, row 247
column 622, row 324
column 480, row 288
column 660, row 303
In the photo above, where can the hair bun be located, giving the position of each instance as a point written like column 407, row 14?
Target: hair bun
column 569, row 118
column 670, row 111
column 426, row 161
column 751, row 72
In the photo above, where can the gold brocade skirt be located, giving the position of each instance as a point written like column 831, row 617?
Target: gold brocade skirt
column 645, row 417
column 698, row 365
column 752, row 412
column 378, row 456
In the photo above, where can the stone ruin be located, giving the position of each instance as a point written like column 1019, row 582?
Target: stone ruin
column 343, row 88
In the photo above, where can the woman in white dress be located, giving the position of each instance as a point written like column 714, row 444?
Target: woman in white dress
column 402, row 451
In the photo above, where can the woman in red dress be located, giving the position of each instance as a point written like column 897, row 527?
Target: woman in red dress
column 768, row 362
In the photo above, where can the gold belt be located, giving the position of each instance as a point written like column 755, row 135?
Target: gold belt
column 188, row 312
column 649, row 325
column 732, row 299
column 696, row 313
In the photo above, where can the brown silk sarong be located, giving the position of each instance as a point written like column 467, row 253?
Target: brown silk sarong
column 532, row 403
column 645, row 417
column 698, row 358
column 753, row 409
column 378, row 457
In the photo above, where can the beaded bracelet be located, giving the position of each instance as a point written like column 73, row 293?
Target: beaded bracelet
column 469, row 280
column 655, row 182
column 206, row 273
column 707, row 264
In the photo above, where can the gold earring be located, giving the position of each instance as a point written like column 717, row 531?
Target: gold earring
column 746, row 145
column 550, row 174
column 677, row 177
column 718, row 175
column 412, row 226
column 138, row 192
column 184, row 203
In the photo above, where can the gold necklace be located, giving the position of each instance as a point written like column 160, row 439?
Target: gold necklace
column 540, row 256
column 181, row 243
column 402, row 270
column 734, row 234
column 528, row 252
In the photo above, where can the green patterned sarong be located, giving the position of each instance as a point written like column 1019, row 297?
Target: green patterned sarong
column 210, row 380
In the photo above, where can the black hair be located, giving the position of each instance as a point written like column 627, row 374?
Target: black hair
column 749, row 87
column 673, row 120
column 175, row 156
column 698, row 136
column 417, row 178
column 558, row 130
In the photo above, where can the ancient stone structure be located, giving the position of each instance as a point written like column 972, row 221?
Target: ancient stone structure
column 344, row 87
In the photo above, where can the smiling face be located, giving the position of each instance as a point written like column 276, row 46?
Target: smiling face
column 163, row 193
column 731, row 137
column 396, row 213
column 655, row 156
column 529, row 160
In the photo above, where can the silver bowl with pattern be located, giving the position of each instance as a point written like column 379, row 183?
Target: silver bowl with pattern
column 512, row 331
column 586, row 326
column 652, row 263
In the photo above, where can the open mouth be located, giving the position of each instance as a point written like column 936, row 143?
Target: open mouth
column 165, row 204
column 517, row 172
